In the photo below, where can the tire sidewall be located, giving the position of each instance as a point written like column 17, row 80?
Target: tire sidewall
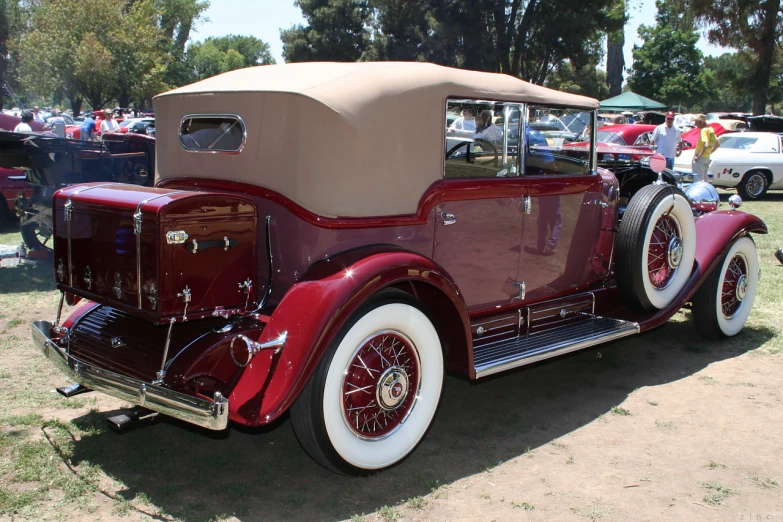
column 746, row 180
column 732, row 326
column 683, row 215
column 376, row 454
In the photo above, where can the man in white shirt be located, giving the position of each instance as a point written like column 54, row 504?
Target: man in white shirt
column 666, row 137
column 109, row 124
column 467, row 121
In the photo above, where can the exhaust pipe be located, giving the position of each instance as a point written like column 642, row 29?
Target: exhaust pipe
column 71, row 390
column 131, row 418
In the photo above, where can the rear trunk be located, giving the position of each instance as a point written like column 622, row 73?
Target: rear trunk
column 155, row 253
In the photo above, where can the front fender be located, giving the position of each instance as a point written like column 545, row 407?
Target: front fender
column 715, row 232
column 312, row 313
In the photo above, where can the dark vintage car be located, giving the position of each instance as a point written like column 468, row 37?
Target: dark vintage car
column 47, row 164
column 310, row 247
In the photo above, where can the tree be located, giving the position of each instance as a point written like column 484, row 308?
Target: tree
column 668, row 66
column 731, row 73
column 615, row 60
column 176, row 19
column 587, row 81
column 336, row 30
column 226, row 53
column 752, row 26
column 525, row 38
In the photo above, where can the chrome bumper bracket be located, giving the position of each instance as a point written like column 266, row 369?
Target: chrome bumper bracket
column 208, row 414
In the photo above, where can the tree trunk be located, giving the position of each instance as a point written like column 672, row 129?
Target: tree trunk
column 76, row 105
column 615, row 62
column 766, row 53
column 124, row 100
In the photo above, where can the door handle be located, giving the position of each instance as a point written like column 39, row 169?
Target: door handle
column 448, row 219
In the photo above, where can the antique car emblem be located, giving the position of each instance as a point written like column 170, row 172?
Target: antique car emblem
column 392, row 388
column 117, row 342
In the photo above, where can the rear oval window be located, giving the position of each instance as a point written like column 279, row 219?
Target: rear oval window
column 212, row 133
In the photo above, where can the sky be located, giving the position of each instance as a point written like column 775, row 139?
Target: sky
column 264, row 19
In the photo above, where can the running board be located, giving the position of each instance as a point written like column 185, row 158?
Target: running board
column 504, row 355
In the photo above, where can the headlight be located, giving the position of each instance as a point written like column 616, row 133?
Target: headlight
column 703, row 196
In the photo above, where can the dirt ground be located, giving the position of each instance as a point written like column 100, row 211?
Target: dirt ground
column 662, row 426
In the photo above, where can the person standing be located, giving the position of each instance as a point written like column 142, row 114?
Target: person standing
column 666, row 138
column 109, row 124
column 87, row 128
column 56, row 124
column 705, row 146
column 37, row 115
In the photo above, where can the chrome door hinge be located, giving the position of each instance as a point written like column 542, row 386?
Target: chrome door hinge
column 137, row 217
column 528, row 204
column 521, row 286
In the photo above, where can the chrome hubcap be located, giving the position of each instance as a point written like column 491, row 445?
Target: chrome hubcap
column 742, row 287
column 392, row 388
column 755, row 184
column 674, row 252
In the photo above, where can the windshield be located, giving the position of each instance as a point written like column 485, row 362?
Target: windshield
column 126, row 123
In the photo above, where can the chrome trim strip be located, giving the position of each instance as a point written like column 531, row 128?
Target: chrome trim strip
column 512, row 316
column 270, row 259
column 137, row 221
column 208, row 414
column 68, row 215
column 200, row 151
column 514, row 357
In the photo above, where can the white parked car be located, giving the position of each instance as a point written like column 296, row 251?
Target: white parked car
column 750, row 161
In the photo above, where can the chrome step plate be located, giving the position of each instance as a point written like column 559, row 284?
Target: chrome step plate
column 504, row 355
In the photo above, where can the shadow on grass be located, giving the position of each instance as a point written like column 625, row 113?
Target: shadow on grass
column 27, row 278
column 254, row 474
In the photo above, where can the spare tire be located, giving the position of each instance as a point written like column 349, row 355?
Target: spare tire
column 656, row 246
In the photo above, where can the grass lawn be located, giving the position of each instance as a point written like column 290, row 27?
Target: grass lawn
column 59, row 462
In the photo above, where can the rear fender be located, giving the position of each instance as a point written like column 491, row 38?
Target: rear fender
column 314, row 310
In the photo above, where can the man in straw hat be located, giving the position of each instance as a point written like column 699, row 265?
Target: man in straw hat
column 705, row 146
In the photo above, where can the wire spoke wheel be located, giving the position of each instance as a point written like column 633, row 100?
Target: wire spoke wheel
column 665, row 252
column 735, row 286
column 380, row 385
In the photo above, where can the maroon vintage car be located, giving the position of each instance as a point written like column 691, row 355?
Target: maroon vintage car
column 319, row 242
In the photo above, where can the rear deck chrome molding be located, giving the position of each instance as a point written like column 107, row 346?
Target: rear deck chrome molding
column 503, row 355
column 208, row 414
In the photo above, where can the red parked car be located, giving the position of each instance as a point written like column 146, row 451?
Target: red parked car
column 308, row 250
column 12, row 181
column 690, row 138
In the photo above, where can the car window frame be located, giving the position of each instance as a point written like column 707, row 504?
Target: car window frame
column 592, row 158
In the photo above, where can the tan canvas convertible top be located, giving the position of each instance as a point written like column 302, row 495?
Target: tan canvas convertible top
column 340, row 139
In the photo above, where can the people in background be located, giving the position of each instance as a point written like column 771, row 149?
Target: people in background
column 24, row 125
column 705, row 146
column 466, row 121
column 487, row 130
column 37, row 116
column 87, row 128
column 56, row 124
column 666, row 138
column 109, row 124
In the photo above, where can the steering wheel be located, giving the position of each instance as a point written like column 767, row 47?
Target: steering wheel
column 469, row 145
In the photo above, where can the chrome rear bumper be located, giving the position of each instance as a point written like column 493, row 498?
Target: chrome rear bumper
column 208, row 414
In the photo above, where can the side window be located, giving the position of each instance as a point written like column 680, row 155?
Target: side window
column 482, row 139
column 212, row 133
column 557, row 141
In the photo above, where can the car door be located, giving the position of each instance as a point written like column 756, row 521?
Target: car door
column 565, row 216
column 480, row 214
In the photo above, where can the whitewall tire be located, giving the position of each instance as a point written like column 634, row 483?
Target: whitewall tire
column 376, row 391
column 656, row 247
column 722, row 305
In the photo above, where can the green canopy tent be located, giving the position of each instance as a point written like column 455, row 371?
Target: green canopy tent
column 629, row 101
